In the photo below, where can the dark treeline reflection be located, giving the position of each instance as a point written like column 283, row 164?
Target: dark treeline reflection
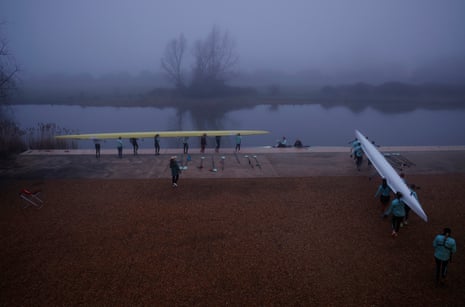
column 208, row 110
column 206, row 116
column 386, row 98
column 394, row 97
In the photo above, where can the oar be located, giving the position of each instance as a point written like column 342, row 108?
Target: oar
column 214, row 169
column 188, row 159
column 406, row 161
column 250, row 162
column 237, row 158
column 394, row 160
column 222, row 162
column 256, row 160
column 183, row 167
column 373, row 175
column 350, row 142
column 201, row 162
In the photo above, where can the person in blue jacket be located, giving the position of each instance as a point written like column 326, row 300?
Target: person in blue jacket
column 444, row 246
column 119, row 146
column 384, row 193
column 397, row 209
column 238, row 142
column 354, row 146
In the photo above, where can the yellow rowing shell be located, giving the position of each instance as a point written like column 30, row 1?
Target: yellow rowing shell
column 162, row 134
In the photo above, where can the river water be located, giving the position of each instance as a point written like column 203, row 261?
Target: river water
column 313, row 124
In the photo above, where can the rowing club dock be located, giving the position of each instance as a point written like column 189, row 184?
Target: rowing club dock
column 250, row 162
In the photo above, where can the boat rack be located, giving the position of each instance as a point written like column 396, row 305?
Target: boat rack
column 398, row 161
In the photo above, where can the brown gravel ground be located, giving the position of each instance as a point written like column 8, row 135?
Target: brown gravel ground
column 312, row 241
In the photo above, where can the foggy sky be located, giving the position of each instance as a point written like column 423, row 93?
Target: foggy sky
column 98, row 36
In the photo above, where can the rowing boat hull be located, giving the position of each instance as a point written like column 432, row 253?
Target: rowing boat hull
column 162, row 134
column 387, row 171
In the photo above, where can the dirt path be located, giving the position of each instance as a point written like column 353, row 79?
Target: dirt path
column 313, row 241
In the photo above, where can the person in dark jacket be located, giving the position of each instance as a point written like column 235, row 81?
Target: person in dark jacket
column 218, row 143
column 203, row 142
column 156, row 142
column 407, row 208
column 175, row 171
column 185, row 144
column 135, row 145
column 97, row 148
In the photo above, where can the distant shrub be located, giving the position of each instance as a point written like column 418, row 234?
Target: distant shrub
column 11, row 138
column 43, row 137
column 14, row 140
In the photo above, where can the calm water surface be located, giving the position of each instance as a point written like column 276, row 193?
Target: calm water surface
column 313, row 124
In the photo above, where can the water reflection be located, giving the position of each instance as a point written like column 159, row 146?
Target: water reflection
column 207, row 115
column 313, row 124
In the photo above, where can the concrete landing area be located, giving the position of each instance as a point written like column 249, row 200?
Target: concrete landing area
column 246, row 150
column 250, row 162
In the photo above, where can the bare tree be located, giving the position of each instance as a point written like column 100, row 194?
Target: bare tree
column 215, row 59
column 10, row 134
column 172, row 60
column 8, row 70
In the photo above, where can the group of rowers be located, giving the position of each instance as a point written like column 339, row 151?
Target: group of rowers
column 399, row 210
column 156, row 139
column 444, row 245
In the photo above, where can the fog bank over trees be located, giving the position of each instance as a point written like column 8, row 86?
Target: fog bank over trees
column 153, row 89
column 124, row 88
column 344, row 40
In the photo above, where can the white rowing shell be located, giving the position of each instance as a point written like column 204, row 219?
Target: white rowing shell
column 385, row 170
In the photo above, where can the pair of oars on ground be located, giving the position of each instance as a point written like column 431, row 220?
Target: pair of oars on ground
column 222, row 162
